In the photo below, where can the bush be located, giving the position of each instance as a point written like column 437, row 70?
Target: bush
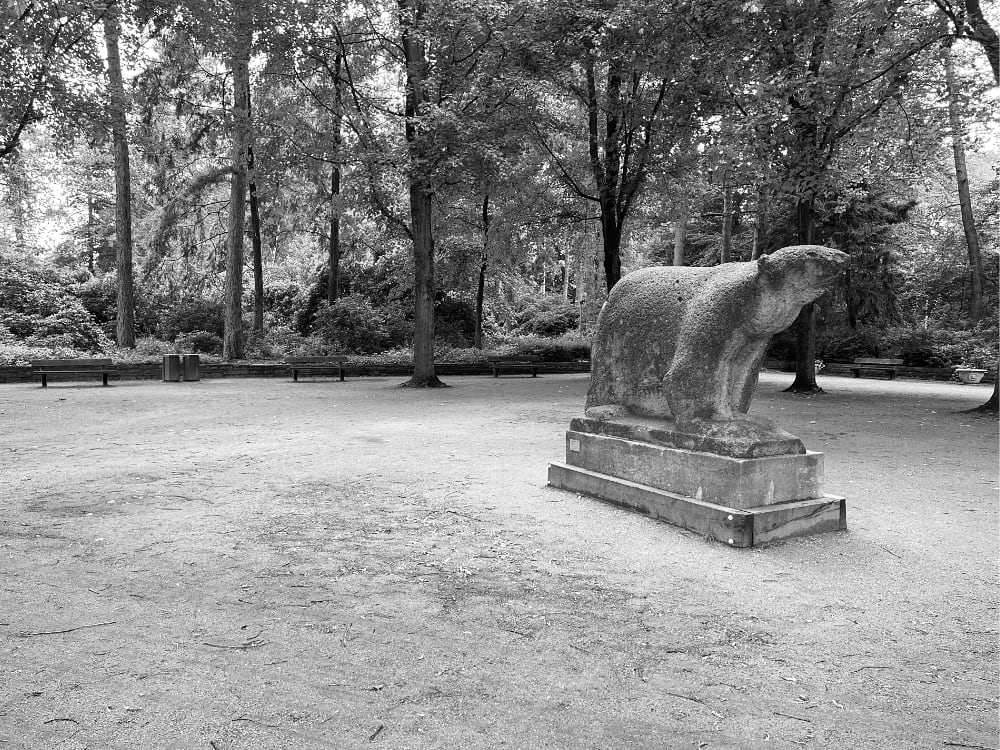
column 846, row 344
column 203, row 342
column 99, row 295
column 917, row 347
column 276, row 342
column 196, row 315
column 454, row 321
column 931, row 347
column 37, row 307
column 150, row 347
column 73, row 327
column 567, row 348
column 549, row 316
column 283, row 303
column 351, row 325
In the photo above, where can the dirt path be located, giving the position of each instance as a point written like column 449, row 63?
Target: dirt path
column 262, row 564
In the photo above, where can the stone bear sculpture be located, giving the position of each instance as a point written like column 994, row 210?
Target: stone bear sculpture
column 689, row 342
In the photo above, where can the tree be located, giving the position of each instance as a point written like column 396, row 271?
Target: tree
column 962, row 183
column 44, row 48
column 125, row 320
column 826, row 69
column 233, row 339
column 636, row 79
column 421, row 192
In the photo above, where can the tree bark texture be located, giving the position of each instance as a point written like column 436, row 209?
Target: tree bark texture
column 805, row 323
column 983, row 33
column 91, row 249
column 477, row 333
column 964, row 195
column 336, row 130
column 421, row 202
column 680, row 238
column 727, row 221
column 125, row 317
column 760, row 224
column 256, row 244
column 233, row 339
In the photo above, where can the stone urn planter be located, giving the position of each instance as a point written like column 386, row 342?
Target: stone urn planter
column 970, row 375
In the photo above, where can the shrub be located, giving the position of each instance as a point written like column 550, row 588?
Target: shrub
column 548, row 316
column 204, row 342
column 943, row 348
column 36, row 306
column 99, row 296
column 566, row 348
column 845, row 344
column 276, row 342
column 454, row 321
column 283, row 303
column 351, row 325
column 195, row 315
column 72, row 326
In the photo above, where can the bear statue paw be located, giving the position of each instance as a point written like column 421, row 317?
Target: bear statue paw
column 743, row 436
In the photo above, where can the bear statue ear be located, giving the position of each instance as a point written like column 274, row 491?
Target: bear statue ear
column 763, row 264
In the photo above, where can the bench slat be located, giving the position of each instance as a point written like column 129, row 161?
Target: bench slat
column 43, row 368
column 310, row 365
column 887, row 365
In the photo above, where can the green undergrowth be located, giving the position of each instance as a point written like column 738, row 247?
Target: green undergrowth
column 565, row 348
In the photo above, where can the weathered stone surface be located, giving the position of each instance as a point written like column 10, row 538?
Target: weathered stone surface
column 723, row 480
column 689, row 342
column 757, row 439
column 746, row 527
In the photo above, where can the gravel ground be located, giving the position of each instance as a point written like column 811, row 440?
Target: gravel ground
column 264, row 564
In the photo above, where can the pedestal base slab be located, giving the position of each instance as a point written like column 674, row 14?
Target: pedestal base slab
column 737, row 527
column 723, row 480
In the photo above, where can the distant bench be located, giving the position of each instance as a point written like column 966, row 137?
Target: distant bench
column 316, row 365
column 513, row 366
column 44, row 368
column 874, row 364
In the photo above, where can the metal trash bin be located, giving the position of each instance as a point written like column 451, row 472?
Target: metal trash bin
column 191, row 367
column 171, row 368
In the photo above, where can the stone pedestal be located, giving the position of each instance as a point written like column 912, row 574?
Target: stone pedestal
column 739, row 501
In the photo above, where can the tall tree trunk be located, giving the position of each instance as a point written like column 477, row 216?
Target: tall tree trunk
column 125, row 318
column 964, row 196
column 333, row 280
column 477, row 333
column 680, row 237
column 91, row 249
column 992, row 406
column 727, row 219
column 850, row 300
column 805, row 323
column 760, row 224
column 421, row 202
column 255, row 240
column 565, row 279
column 232, row 339
column 612, row 237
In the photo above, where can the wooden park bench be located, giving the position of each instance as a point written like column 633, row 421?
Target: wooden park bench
column 875, row 364
column 513, row 366
column 316, row 365
column 44, row 368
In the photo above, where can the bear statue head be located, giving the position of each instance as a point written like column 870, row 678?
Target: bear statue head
column 802, row 272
